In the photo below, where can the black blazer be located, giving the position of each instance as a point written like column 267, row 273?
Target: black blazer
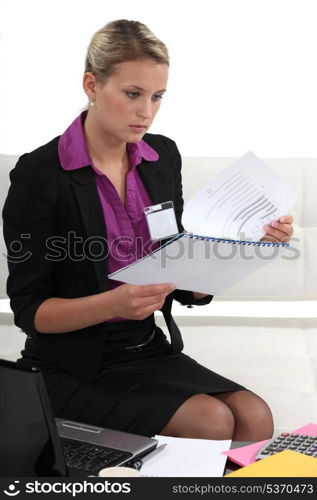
column 46, row 202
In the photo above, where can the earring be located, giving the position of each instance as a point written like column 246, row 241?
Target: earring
column 92, row 103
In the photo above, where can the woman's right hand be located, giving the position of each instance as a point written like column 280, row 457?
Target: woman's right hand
column 138, row 302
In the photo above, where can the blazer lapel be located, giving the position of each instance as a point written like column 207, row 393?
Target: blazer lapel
column 85, row 190
column 156, row 181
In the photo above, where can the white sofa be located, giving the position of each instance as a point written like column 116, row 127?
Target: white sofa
column 263, row 331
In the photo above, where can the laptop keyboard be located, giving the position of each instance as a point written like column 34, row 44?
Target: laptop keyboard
column 90, row 457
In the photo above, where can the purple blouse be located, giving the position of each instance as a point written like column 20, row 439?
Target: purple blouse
column 127, row 232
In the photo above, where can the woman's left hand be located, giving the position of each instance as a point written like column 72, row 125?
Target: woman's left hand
column 279, row 230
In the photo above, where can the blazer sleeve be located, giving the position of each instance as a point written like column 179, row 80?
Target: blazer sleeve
column 185, row 297
column 28, row 220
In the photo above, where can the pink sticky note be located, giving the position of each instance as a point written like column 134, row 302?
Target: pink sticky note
column 309, row 429
column 246, row 454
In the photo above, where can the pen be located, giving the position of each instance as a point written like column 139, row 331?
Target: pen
column 138, row 464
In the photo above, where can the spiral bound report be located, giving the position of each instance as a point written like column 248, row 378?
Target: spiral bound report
column 201, row 263
column 237, row 203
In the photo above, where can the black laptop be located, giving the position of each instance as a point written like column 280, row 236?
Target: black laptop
column 33, row 443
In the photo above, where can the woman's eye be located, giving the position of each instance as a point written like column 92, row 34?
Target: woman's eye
column 133, row 95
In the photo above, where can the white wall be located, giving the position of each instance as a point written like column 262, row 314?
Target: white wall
column 243, row 72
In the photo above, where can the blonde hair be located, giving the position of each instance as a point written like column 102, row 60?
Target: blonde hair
column 121, row 41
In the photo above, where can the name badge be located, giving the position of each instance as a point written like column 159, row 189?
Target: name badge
column 161, row 220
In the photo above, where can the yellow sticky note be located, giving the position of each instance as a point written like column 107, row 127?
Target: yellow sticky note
column 283, row 464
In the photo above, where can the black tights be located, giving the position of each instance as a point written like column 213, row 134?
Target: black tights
column 239, row 415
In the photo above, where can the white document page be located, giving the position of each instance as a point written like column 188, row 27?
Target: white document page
column 238, row 201
column 187, row 458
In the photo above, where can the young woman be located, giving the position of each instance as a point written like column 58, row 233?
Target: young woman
column 73, row 213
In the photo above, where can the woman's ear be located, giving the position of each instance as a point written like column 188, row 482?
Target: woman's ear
column 89, row 86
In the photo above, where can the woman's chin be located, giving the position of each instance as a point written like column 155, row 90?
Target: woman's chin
column 135, row 137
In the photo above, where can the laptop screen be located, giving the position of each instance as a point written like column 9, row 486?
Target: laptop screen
column 29, row 443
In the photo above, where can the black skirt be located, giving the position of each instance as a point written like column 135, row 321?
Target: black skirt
column 136, row 391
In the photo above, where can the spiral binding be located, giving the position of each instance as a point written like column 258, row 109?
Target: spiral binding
column 238, row 242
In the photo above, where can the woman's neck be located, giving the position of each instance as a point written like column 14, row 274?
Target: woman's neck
column 106, row 149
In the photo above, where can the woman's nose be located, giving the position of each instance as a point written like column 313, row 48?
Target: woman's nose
column 145, row 109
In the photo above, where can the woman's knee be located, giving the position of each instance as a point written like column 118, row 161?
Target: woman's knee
column 256, row 411
column 201, row 416
column 253, row 417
